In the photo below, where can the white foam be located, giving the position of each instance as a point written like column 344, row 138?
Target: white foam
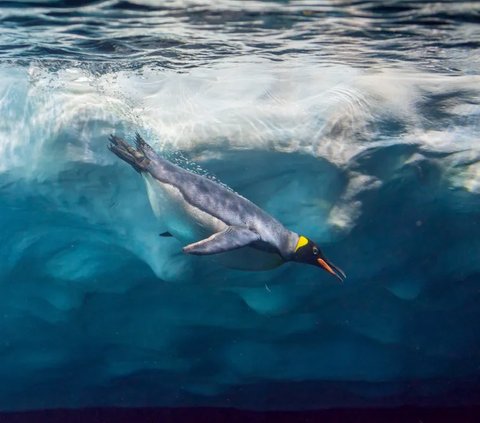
column 294, row 106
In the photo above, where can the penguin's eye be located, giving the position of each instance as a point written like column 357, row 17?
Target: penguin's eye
column 315, row 250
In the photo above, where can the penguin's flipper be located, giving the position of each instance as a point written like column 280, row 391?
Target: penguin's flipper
column 231, row 238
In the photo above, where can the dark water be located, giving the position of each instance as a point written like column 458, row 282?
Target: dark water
column 355, row 123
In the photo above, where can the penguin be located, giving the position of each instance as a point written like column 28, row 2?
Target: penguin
column 214, row 220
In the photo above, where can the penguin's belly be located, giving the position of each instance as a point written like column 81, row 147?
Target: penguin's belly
column 189, row 224
column 185, row 222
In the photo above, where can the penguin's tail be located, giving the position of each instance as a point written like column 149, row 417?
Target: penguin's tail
column 136, row 157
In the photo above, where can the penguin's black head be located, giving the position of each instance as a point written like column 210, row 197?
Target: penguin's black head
column 308, row 252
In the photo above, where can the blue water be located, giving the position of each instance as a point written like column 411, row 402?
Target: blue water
column 355, row 123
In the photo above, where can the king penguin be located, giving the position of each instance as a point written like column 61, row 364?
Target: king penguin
column 213, row 220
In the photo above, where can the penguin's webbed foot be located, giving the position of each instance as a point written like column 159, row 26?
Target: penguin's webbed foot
column 136, row 158
column 143, row 146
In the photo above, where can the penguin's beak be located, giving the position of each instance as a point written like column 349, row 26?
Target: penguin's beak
column 332, row 269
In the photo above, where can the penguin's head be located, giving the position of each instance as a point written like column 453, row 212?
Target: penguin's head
column 306, row 251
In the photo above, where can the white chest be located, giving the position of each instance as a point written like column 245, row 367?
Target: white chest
column 184, row 221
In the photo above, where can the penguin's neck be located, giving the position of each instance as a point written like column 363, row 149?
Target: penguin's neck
column 288, row 245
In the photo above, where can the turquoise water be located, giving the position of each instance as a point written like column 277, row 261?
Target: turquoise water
column 355, row 123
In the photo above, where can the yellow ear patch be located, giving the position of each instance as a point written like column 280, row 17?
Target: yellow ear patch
column 302, row 241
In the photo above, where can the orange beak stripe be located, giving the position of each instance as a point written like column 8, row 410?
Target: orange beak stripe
column 324, row 264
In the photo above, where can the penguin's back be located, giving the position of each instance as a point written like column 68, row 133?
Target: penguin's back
column 183, row 220
column 212, row 204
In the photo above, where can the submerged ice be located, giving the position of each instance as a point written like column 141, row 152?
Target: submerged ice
column 380, row 168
